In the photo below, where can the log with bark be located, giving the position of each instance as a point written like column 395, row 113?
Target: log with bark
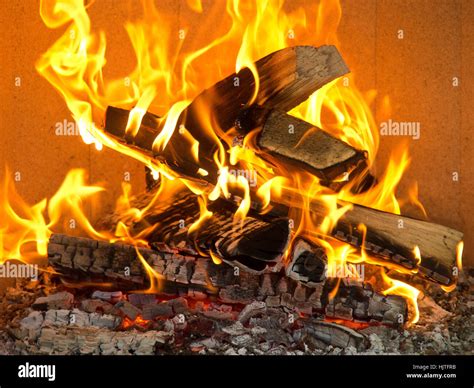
column 118, row 266
column 286, row 78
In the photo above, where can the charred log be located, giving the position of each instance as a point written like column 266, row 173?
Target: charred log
column 89, row 261
column 308, row 264
column 252, row 244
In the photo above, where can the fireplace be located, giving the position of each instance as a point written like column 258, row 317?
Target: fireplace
column 261, row 184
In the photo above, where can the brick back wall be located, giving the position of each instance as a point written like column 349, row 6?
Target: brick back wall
column 416, row 72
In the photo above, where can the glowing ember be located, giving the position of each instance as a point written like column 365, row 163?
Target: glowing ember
column 128, row 323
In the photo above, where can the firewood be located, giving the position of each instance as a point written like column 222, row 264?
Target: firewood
column 296, row 142
column 253, row 245
column 286, row 78
column 394, row 238
column 185, row 274
column 390, row 237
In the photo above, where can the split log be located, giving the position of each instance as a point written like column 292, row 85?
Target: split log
column 86, row 260
column 392, row 238
column 303, row 145
column 286, row 78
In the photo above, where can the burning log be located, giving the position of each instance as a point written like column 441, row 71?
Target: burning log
column 87, row 260
column 393, row 239
column 298, row 143
column 389, row 237
column 254, row 245
column 286, row 78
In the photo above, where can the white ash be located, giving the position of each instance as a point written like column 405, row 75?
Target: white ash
column 95, row 326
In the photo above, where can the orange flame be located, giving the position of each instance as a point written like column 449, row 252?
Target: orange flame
column 166, row 78
column 25, row 229
column 397, row 287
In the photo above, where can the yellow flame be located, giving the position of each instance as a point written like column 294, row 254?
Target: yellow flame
column 137, row 113
column 168, row 129
column 154, row 277
column 417, row 253
column 205, row 215
column 25, row 229
column 397, row 287
column 195, row 5
column 271, row 187
column 459, row 251
column 413, row 198
column 217, row 260
column 167, row 77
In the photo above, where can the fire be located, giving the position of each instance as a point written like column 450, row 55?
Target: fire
column 397, row 287
column 128, row 323
column 164, row 81
column 25, row 229
column 155, row 277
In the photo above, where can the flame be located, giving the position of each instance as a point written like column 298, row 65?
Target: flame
column 459, row 251
column 417, row 253
column 156, row 279
column 397, row 287
column 25, row 229
column 139, row 321
column 195, row 5
column 204, row 216
column 413, row 198
column 167, row 77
